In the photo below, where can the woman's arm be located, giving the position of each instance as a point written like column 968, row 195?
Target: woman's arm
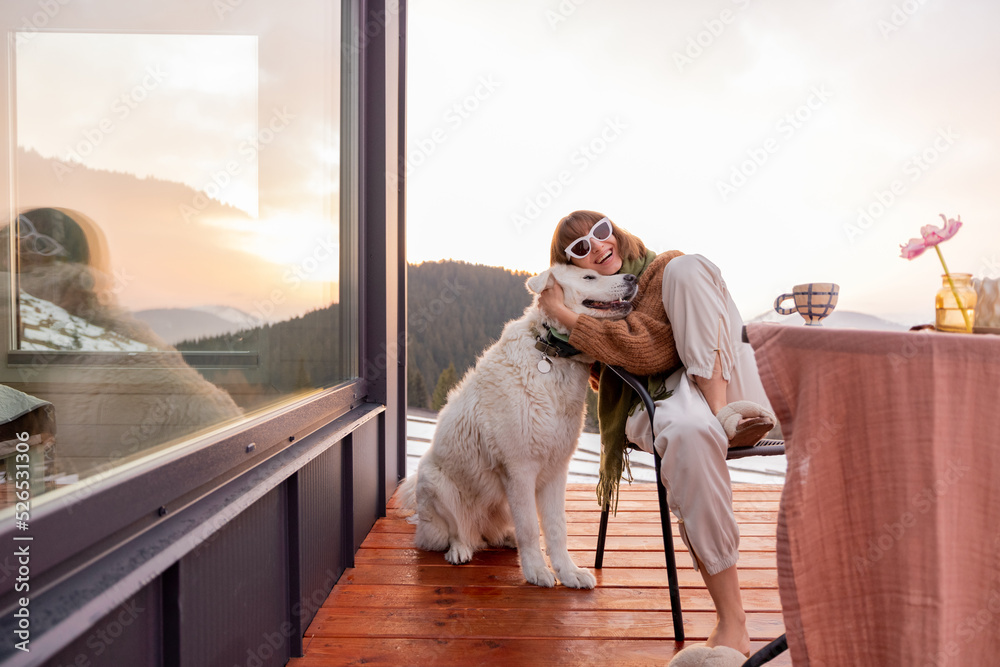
column 642, row 343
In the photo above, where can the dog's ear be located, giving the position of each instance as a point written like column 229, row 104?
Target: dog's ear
column 537, row 283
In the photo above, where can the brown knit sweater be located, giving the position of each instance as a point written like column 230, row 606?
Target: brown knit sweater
column 643, row 342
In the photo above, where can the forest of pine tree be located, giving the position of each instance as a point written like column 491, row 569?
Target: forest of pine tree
column 447, row 380
column 455, row 311
column 299, row 353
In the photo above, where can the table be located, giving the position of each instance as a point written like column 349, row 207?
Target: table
column 889, row 525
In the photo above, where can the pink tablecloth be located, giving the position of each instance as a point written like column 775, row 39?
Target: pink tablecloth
column 889, row 528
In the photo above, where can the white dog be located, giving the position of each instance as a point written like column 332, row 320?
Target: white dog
column 505, row 438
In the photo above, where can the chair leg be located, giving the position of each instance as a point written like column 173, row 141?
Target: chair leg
column 602, row 535
column 668, row 551
column 768, row 653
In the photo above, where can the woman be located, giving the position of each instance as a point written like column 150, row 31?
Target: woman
column 685, row 329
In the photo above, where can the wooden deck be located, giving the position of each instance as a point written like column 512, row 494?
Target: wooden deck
column 401, row 606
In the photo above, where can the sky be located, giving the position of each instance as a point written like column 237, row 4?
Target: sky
column 788, row 142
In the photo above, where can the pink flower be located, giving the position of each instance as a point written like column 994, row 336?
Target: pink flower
column 915, row 248
column 931, row 236
column 934, row 235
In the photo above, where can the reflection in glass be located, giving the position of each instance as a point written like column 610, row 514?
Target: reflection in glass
column 175, row 246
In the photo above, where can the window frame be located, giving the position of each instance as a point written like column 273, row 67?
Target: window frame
column 102, row 512
column 99, row 513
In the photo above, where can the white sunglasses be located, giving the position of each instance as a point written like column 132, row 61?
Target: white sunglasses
column 580, row 248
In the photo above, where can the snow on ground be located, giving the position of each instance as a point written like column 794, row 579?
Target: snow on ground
column 585, row 464
column 46, row 326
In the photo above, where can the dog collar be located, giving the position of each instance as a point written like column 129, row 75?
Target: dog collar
column 551, row 345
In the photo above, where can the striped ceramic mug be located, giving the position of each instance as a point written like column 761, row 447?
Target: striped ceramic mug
column 813, row 301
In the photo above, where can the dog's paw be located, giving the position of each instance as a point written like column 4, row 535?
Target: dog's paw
column 459, row 554
column 578, row 578
column 540, row 576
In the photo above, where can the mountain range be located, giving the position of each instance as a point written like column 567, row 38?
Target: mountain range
column 838, row 319
column 174, row 325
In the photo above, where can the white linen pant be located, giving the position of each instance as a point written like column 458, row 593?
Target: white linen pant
column 688, row 436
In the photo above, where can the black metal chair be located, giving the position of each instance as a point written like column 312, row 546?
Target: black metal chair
column 766, row 447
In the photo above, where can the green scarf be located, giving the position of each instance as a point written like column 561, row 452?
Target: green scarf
column 615, row 402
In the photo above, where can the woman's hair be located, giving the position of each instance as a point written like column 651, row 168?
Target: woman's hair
column 578, row 223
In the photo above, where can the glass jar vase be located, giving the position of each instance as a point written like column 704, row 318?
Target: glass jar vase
column 948, row 313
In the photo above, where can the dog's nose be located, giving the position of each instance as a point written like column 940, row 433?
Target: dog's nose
column 629, row 278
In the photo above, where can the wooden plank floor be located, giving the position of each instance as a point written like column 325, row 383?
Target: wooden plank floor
column 402, row 606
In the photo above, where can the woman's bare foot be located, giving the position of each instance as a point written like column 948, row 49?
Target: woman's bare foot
column 732, row 633
column 731, row 626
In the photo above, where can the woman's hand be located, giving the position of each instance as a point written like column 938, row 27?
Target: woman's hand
column 552, row 304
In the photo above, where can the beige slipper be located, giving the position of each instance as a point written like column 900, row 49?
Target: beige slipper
column 700, row 655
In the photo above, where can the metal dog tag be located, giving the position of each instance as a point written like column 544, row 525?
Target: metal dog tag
column 544, row 366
